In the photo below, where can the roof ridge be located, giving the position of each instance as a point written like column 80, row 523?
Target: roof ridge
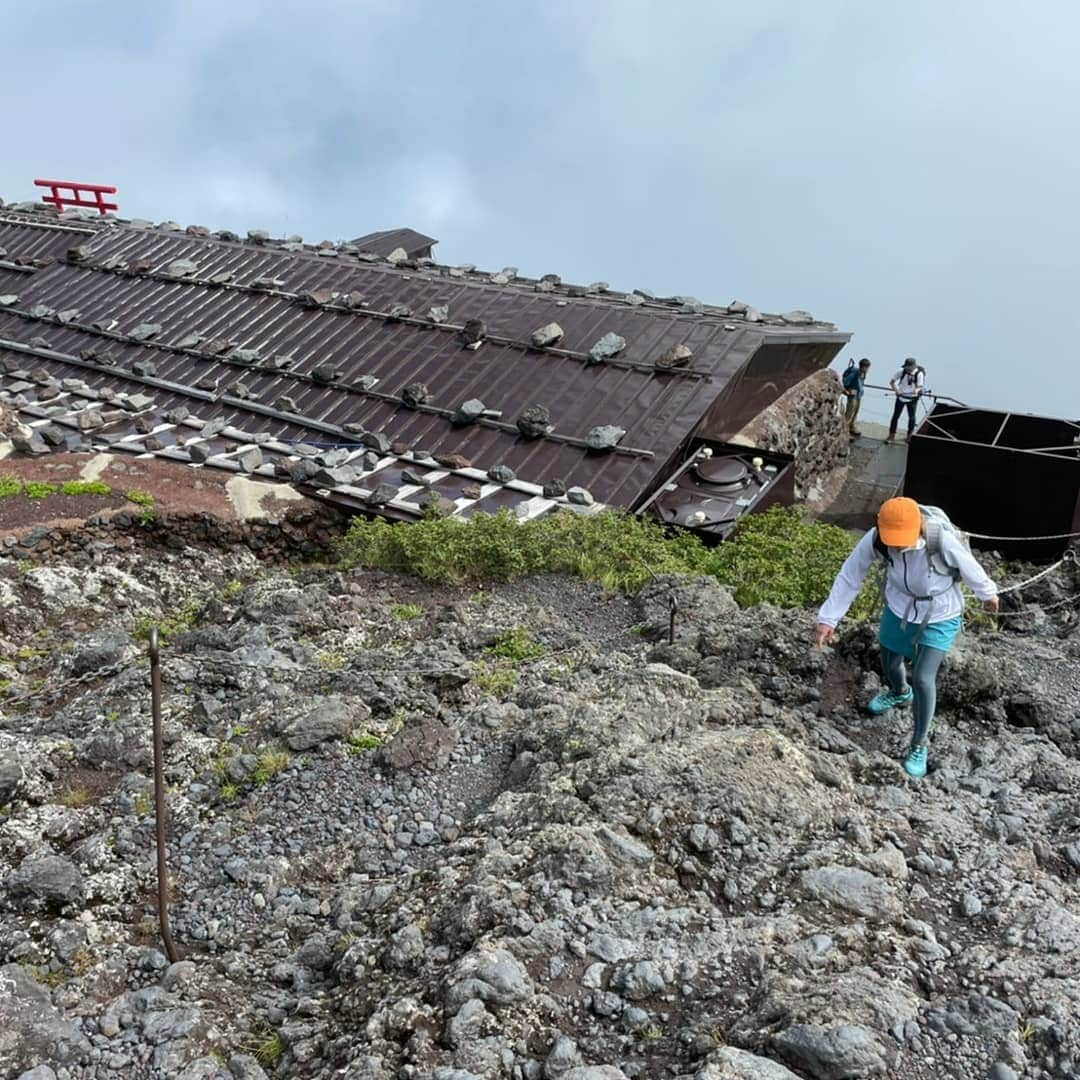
column 467, row 273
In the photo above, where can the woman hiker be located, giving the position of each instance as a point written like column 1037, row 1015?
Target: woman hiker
column 923, row 611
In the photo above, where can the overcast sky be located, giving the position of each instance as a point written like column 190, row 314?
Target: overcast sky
column 908, row 171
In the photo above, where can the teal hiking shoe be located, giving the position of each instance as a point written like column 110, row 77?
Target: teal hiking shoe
column 915, row 762
column 887, row 700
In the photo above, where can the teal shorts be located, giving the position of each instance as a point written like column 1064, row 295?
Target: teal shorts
column 936, row 635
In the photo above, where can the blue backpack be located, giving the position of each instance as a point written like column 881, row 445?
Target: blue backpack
column 850, row 380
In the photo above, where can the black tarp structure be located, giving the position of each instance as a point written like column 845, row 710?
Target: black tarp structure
column 1000, row 475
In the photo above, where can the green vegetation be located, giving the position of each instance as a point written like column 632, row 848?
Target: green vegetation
column 271, row 761
column 407, row 611
column 169, row 626
column 268, row 1052
column 777, row 557
column 516, row 645
column 85, row 487
column 232, row 590
column 330, row 660
column 611, row 548
column 74, row 798
column 41, row 489
column 781, row 558
column 146, row 501
column 361, row 742
column 497, row 679
column 142, row 804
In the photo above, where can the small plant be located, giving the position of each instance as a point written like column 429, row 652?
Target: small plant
column 142, row 804
column 73, row 798
column 232, row 590
column 271, row 761
column 651, row 1032
column 113, row 716
column 239, row 730
column 266, row 1046
column 229, row 791
column 5, row 686
column 1025, row 1030
column 139, row 498
column 52, row 979
column 497, row 679
column 82, row 961
column 169, row 626
column 39, row 489
column 85, row 487
column 330, row 660
column 361, row 742
column 516, row 645
column 10, row 485
column 407, row 612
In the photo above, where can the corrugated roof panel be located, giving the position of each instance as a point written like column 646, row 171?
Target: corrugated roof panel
column 658, row 411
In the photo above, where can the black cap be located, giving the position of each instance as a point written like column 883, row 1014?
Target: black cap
column 911, row 362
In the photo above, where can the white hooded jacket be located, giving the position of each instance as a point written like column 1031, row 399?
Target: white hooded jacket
column 910, row 575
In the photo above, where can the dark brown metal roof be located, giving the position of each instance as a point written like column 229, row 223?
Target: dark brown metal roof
column 367, row 318
column 415, row 245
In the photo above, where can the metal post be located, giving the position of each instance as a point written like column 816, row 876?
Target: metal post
column 159, row 798
column 673, row 605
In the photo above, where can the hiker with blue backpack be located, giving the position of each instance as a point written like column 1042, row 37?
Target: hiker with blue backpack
column 926, row 559
column 853, row 382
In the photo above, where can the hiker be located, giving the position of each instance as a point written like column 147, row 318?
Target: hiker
column 854, row 381
column 907, row 384
column 926, row 560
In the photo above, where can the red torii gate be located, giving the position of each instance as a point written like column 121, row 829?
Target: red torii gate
column 77, row 190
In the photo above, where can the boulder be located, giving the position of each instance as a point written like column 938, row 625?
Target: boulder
column 334, row 718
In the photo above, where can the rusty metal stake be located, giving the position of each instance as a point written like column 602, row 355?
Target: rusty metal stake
column 673, row 604
column 159, row 798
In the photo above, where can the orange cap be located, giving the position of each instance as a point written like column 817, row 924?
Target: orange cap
column 899, row 523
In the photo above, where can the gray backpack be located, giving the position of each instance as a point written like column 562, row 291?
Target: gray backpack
column 937, row 524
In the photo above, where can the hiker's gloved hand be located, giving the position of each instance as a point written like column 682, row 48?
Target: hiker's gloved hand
column 825, row 634
column 992, row 605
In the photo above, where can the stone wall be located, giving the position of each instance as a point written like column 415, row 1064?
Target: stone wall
column 307, row 533
column 808, row 423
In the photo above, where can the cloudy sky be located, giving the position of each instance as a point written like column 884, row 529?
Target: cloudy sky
column 908, row 171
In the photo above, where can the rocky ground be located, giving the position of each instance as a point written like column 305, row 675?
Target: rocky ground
column 448, row 834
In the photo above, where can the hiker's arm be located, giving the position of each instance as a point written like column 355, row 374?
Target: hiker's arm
column 971, row 571
column 848, row 582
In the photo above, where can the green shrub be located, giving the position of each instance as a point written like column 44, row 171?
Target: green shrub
column 407, row 612
column 85, row 487
column 169, row 625
column 10, row 485
column 271, row 761
column 361, row 742
column 779, row 557
column 139, row 498
column 39, row 489
column 613, row 548
column 497, row 679
column 516, row 645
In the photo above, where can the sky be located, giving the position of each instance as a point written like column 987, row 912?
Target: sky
column 907, row 171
